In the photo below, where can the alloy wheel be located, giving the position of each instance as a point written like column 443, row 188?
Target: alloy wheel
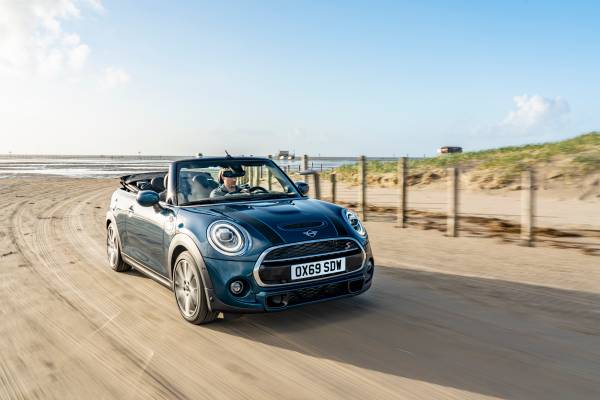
column 112, row 246
column 187, row 286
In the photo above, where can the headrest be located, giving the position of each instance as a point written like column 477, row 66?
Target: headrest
column 143, row 185
column 158, row 183
column 201, row 179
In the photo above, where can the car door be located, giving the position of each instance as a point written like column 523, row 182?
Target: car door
column 146, row 237
column 119, row 206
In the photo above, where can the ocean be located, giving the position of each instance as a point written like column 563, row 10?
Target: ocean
column 114, row 166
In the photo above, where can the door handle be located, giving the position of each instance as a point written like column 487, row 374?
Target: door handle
column 130, row 210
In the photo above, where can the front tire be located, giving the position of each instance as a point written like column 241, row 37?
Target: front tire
column 189, row 291
column 113, row 250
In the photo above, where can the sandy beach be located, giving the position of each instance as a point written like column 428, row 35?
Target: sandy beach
column 460, row 318
column 561, row 207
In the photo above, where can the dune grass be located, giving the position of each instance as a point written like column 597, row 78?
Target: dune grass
column 579, row 155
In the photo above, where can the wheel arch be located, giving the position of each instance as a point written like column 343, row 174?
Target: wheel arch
column 110, row 219
column 180, row 243
column 180, row 248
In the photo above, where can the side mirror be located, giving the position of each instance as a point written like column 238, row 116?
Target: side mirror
column 303, row 187
column 147, row 198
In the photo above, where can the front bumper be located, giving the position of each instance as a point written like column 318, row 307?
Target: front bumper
column 281, row 297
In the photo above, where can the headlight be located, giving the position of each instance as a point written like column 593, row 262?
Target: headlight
column 354, row 222
column 228, row 238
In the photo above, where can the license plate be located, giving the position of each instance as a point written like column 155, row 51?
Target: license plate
column 318, row 268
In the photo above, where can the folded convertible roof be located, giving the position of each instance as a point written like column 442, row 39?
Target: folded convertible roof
column 126, row 179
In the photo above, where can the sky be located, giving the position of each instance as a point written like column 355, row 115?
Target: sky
column 329, row 78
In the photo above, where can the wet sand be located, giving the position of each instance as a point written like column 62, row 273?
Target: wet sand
column 446, row 318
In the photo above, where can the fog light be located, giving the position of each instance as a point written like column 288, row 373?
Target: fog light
column 277, row 299
column 236, row 287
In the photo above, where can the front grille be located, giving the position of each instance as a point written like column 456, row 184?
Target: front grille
column 319, row 293
column 312, row 248
column 275, row 267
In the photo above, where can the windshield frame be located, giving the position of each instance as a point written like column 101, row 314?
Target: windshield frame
column 197, row 163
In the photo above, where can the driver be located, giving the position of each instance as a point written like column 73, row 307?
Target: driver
column 228, row 184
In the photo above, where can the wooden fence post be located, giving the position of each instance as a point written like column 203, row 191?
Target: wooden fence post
column 269, row 176
column 304, row 162
column 402, row 205
column 452, row 218
column 362, row 178
column 527, row 207
column 317, row 184
column 333, row 184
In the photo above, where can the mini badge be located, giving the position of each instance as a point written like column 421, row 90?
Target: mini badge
column 310, row 233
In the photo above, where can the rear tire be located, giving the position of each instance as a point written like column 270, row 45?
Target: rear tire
column 113, row 250
column 189, row 291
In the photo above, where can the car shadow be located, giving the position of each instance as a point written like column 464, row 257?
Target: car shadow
column 492, row 337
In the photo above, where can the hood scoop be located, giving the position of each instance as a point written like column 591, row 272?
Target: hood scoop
column 302, row 225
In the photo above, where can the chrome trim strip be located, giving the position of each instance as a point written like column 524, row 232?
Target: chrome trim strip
column 146, row 271
column 267, row 251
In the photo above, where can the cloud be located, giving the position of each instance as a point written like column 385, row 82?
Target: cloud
column 114, row 77
column 32, row 39
column 96, row 5
column 536, row 112
column 535, row 118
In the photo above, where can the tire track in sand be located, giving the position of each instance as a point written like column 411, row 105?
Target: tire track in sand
column 41, row 252
column 17, row 238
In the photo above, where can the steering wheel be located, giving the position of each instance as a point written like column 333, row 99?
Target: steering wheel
column 259, row 189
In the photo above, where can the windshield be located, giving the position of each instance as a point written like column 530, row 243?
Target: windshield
column 215, row 181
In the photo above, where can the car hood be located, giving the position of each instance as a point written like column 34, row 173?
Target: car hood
column 287, row 221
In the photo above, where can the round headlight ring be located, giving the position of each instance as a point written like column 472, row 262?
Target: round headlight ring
column 228, row 238
column 354, row 222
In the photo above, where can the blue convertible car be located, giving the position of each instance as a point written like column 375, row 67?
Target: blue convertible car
column 235, row 234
